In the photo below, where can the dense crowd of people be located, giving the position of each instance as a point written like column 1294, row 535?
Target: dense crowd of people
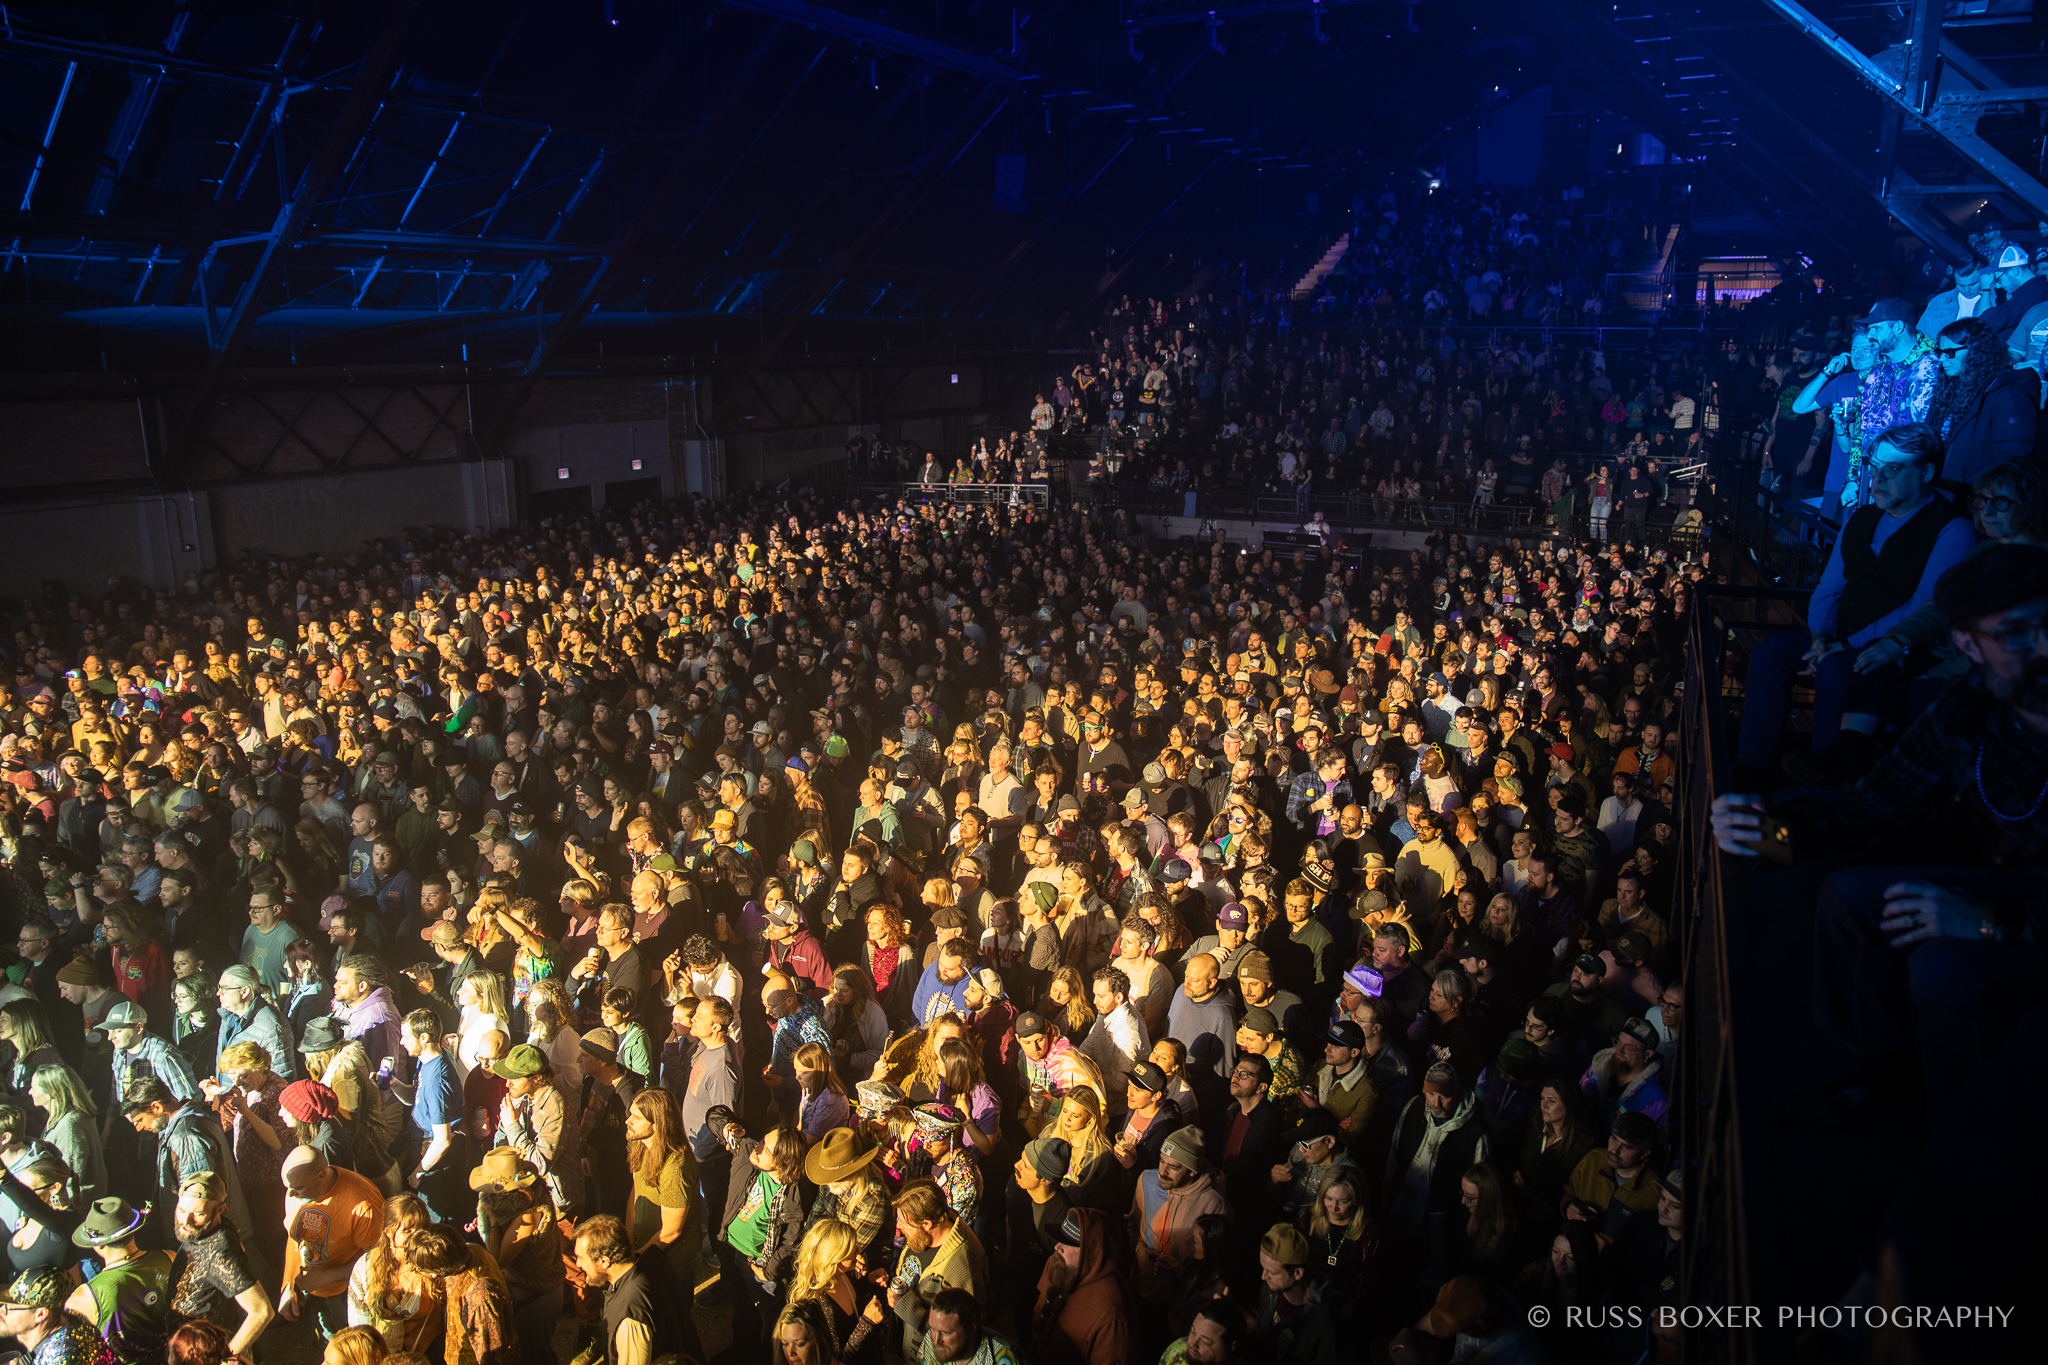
column 951, row 932
column 989, row 932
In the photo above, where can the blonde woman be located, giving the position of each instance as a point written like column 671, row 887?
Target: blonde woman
column 822, row 1102
column 1067, row 995
column 354, row 1346
column 386, row 1295
column 73, row 1127
column 481, row 998
column 938, row 893
column 1525, row 961
column 551, row 1027
column 851, row 1306
column 1092, row 1169
column 911, row 1063
column 484, row 933
column 24, row 1024
column 1343, row 1240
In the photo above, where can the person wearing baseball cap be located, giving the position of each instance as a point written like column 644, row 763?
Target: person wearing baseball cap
column 139, row 1054
column 1591, row 1016
column 1440, row 1133
column 1288, row 1295
column 32, row 1312
column 1627, row 1077
column 2015, row 269
column 1229, row 944
column 1149, row 1116
column 986, row 1002
column 1343, row 1087
column 1316, row 1149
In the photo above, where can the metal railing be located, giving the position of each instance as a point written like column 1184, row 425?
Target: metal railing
column 975, row 494
column 1789, row 540
column 1353, row 511
column 1731, row 1253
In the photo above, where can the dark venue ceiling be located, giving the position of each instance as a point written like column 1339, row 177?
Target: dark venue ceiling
column 194, row 194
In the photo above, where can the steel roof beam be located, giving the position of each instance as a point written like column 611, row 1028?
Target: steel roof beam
column 295, row 217
column 1952, row 115
column 708, row 134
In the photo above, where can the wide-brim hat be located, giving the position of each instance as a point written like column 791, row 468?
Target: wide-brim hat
column 504, row 1168
column 321, row 1034
column 110, row 1220
column 838, row 1155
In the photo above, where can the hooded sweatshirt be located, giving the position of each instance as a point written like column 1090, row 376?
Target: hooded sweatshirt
column 1643, row 1095
column 374, row 1021
column 1089, row 1321
column 1164, row 1221
column 1422, row 1143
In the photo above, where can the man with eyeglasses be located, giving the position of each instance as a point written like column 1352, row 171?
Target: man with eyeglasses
column 1883, row 568
column 1251, row 1137
column 1101, row 755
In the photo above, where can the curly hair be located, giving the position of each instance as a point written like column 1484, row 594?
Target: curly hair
column 1955, row 399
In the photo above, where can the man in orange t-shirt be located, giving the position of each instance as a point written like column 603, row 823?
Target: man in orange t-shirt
column 331, row 1216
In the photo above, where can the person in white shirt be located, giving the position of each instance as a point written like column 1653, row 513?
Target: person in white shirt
column 1118, row 1040
column 1514, row 873
column 1619, row 813
column 1682, row 410
column 1150, row 985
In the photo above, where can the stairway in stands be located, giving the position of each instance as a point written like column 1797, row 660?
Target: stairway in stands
column 1306, row 289
column 1643, row 291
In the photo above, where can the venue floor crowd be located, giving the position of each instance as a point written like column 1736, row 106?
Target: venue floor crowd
column 980, row 932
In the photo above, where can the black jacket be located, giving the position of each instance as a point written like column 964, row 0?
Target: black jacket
column 1465, row 1144
column 646, row 1294
column 1248, row 1176
column 2001, row 427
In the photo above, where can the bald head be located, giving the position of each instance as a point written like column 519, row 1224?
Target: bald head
column 306, row 1173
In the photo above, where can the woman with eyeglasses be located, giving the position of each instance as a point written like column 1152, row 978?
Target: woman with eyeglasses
column 1985, row 410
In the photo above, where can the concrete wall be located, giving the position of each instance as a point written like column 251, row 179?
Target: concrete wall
column 772, row 456
column 594, row 454
column 74, row 442
column 153, row 541
column 337, row 513
column 594, row 428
